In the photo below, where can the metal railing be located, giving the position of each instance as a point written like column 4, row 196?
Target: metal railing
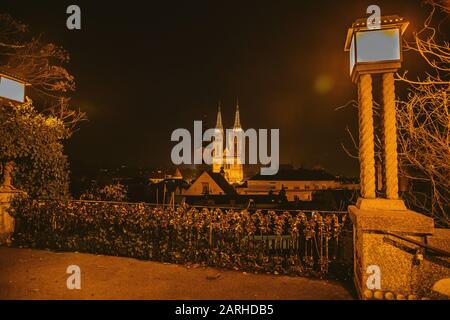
column 433, row 249
column 289, row 242
column 221, row 207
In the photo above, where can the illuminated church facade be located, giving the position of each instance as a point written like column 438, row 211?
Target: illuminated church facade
column 230, row 166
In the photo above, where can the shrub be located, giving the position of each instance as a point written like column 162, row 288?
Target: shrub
column 31, row 145
column 285, row 243
column 109, row 192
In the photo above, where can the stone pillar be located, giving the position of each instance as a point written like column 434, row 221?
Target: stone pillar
column 374, row 218
column 366, row 137
column 7, row 194
column 390, row 136
column 397, row 260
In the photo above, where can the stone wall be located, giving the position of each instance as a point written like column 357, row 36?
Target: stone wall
column 6, row 221
column 406, row 269
column 436, row 267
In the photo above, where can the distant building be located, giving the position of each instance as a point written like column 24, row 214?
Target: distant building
column 159, row 176
column 234, row 171
column 300, row 189
column 167, row 188
column 210, row 184
column 296, row 184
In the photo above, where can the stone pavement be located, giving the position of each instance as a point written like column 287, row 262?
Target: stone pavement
column 38, row 274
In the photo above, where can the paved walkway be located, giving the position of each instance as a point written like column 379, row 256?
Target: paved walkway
column 37, row 274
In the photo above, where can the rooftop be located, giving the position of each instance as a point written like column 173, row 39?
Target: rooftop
column 297, row 175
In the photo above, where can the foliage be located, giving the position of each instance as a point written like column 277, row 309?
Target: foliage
column 33, row 142
column 111, row 192
column 283, row 243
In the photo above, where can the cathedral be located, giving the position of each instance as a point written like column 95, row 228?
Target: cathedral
column 233, row 171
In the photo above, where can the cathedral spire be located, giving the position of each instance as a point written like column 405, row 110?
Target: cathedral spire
column 219, row 124
column 237, row 118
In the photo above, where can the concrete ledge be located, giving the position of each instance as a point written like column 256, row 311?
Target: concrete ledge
column 381, row 204
column 391, row 220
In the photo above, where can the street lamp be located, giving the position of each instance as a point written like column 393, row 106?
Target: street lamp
column 12, row 87
column 376, row 51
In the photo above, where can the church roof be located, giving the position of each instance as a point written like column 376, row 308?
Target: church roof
column 237, row 118
column 219, row 124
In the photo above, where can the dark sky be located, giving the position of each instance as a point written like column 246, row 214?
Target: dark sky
column 145, row 68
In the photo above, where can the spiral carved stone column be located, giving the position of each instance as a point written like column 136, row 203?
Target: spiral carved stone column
column 390, row 136
column 366, row 137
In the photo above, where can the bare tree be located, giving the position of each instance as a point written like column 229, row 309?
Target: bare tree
column 42, row 65
column 424, row 121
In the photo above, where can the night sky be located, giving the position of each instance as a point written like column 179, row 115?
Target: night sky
column 145, row 68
